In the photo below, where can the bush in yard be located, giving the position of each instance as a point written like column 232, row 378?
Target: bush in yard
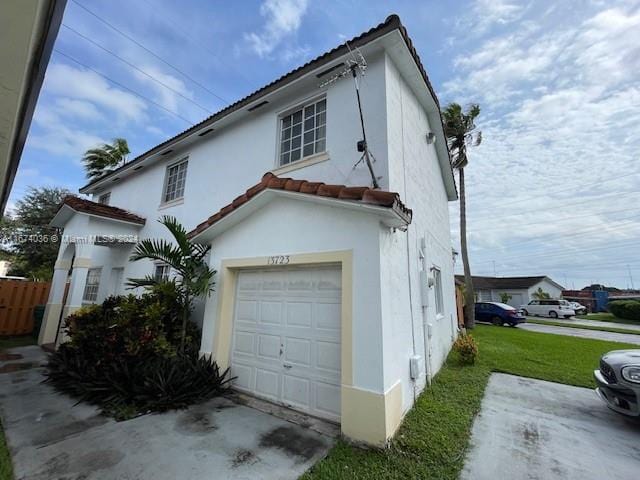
column 627, row 309
column 467, row 349
column 129, row 356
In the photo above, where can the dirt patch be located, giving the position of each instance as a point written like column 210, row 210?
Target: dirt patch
column 292, row 441
column 16, row 367
column 244, row 457
column 530, row 434
column 61, row 432
column 7, row 357
column 195, row 422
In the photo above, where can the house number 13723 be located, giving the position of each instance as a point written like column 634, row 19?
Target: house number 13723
column 279, row 260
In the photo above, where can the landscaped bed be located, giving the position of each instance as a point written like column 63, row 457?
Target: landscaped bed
column 432, row 441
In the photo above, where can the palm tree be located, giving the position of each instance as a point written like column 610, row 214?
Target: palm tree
column 459, row 128
column 194, row 277
column 103, row 159
column 540, row 294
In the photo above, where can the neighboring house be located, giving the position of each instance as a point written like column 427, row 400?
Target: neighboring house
column 5, row 265
column 521, row 289
column 28, row 29
column 331, row 297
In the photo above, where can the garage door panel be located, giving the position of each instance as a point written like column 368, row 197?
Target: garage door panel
column 298, row 351
column 270, row 312
column 299, row 314
column 287, row 327
column 296, row 391
column 268, row 383
column 269, row 346
column 245, row 343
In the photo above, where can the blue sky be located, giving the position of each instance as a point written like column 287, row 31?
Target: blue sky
column 553, row 189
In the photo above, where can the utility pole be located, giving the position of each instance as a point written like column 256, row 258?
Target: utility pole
column 630, row 277
column 494, row 268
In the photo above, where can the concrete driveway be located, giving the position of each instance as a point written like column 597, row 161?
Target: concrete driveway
column 536, row 430
column 50, row 437
column 583, row 333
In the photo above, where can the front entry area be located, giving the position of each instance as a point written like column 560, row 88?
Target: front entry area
column 286, row 345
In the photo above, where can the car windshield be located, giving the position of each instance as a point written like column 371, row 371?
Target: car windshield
column 504, row 305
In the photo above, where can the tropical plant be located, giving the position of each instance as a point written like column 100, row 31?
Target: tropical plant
column 505, row 297
column 540, row 294
column 105, row 158
column 467, row 349
column 459, row 128
column 193, row 277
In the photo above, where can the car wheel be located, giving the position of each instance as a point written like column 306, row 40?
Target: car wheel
column 524, row 312
column 553, row 314
column 497, row 321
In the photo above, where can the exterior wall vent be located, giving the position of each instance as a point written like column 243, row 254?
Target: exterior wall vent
column 166, row 152
column 255, row 107
column 206, row 132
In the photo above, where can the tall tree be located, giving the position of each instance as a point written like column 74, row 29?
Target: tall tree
column 105, row 158
column 33, row 242
column 194, row 277
column 540, row 294
column 460, row 130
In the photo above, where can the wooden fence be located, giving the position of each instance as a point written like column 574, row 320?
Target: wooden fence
column 17, row 301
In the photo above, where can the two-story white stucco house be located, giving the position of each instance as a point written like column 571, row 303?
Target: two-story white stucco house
column 332, row 297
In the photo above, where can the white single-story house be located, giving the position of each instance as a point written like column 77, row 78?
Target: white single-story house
column 520, row 289
column 334, row 290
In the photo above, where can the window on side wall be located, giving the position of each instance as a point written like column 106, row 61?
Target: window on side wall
column 92, row 285
column 105, row 198
column 437, row 285
column 161, row 272
column 303, row 132
column 176, row 177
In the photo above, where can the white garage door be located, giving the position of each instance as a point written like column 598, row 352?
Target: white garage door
column 286, row 337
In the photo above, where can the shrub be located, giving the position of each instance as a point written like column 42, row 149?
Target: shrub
column 627, row 309
column 467, row 349
column 125, row 355
column 127, row 386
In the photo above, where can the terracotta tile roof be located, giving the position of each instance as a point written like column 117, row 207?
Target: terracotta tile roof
column 341, row 192
column 101, row 210
column 392, row 22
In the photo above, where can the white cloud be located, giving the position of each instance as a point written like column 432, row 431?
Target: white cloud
column 283, row 18
column 485, row 14
column 81, row 109
column 166, row 97
column 86, row 85
column 552, row 189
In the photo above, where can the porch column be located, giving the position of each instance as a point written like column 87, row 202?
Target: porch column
column 54, row 303
column 76, row 291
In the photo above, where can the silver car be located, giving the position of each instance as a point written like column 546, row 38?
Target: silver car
column 618, row 380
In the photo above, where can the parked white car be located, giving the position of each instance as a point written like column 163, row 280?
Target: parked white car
column 548, row 308
column 578, row 308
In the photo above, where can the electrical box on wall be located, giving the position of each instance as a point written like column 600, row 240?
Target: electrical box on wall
column 416, row 367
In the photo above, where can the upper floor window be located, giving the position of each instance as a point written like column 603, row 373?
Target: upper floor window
column 303, row 132
column 92, row 285
column 105, row 198
column 161, row 272
column 174, row 182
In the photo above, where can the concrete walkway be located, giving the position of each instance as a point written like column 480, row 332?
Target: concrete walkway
column 583, row 333
column 535, row 430
column 51, row 437
column 593, row 323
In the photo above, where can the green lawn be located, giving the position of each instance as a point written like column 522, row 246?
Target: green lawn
column 585, row 327
column 432, row 440
column 607, row 317
column 6, row 470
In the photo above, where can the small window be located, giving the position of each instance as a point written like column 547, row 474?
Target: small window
column 105, row 198
column 175, row 180
column 303, row 132
column 92, row 285
column 437, row 284
column 161, row 272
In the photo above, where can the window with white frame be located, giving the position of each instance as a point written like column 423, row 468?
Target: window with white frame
column 105, row 198
column 92, row 285
column 161, row 272
column 303, row 132
column 437, row 286
column 174, row 182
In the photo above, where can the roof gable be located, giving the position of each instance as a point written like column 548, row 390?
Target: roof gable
column 81, row 205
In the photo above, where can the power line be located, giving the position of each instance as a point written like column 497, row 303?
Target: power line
column 133, row 40
column 123, row 86
column 136, row 68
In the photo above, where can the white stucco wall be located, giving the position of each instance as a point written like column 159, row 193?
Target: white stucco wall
column 415, row 173
column 286, row 227
column 547, row 286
